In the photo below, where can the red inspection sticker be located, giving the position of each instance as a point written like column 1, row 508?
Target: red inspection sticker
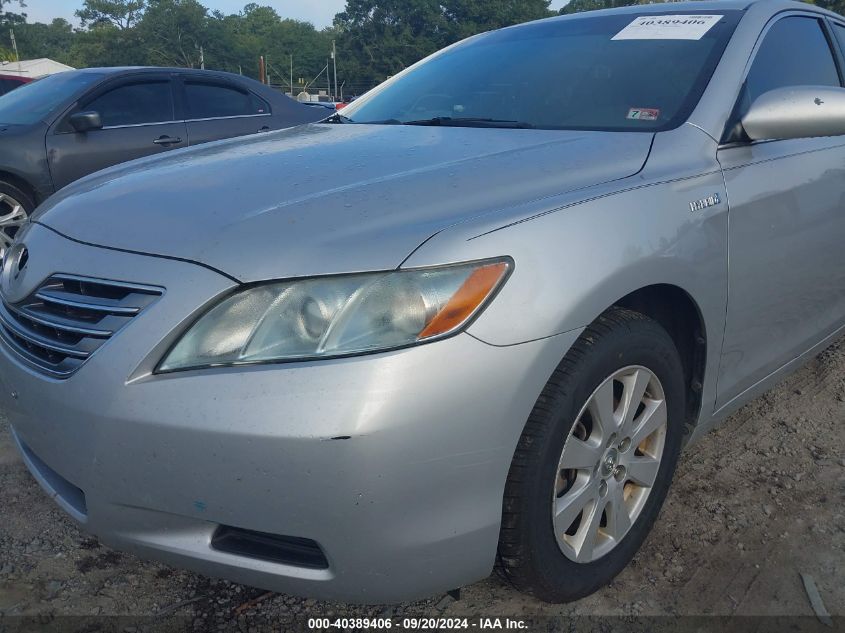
column 643, row 114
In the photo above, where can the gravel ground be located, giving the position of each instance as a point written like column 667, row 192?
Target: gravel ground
column 754, row 505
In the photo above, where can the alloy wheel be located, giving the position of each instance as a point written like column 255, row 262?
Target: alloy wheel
column 609, row 464
column 12, row 218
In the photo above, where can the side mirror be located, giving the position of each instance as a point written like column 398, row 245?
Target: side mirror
column 86, row 121
column 797, row 112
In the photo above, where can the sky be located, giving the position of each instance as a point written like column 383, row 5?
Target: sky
column 319, row 12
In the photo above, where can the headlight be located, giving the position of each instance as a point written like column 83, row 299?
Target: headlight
column 337, row 316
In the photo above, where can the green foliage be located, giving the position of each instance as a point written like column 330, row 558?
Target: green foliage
column 379, row 38
column 468, row 17
column 577, row 6
column 831, row 5
column 54, row 39
column 173, row 31
column 9, row 20
column 235, row 43
column 121, row 14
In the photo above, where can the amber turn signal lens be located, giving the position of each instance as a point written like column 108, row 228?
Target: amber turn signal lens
column 470, row 296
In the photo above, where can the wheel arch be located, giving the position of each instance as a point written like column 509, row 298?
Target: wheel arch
column 19, row 182
column 680, row 315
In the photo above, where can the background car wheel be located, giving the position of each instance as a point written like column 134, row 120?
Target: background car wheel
column 15, row 208
column 595, row 460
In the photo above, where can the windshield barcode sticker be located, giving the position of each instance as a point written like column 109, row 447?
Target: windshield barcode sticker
column 668, row 27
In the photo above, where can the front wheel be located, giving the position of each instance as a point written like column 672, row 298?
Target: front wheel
column 15, row 208
column 595, row 460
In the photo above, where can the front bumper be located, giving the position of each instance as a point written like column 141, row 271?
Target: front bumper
column 394, row 464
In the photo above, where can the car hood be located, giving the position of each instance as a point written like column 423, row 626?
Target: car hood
column 323, row 199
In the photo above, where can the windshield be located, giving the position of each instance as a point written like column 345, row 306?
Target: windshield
column 34, row 101
column 607, row 72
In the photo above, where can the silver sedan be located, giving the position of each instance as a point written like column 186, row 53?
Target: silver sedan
column 541, row 262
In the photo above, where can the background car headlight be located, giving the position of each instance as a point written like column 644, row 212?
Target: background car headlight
column 338, row 316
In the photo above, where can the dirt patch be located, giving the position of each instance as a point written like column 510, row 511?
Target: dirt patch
column 105, row 560
column 755, row 504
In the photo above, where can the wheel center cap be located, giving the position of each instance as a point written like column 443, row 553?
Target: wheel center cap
column 609, row 462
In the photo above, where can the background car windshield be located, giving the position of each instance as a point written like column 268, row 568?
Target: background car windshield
column 34, row 101
column 558, row 74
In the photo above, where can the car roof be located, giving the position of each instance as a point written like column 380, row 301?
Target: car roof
column 701, row 6
column 113, row 70
column 687, row 7
column 117, row 70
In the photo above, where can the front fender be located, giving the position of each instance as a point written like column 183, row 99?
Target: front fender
column 24, row 157
column 574, row 263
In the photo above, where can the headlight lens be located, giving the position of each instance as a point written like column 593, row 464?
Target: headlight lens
column 337, row 316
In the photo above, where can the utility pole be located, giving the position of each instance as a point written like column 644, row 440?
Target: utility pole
column 261, row 72
column 334, row 59
column 15, row 48
column 202, row 58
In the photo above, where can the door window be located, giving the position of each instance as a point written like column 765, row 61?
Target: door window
column 211, row 101
column 7, row 85
column 839, row 32
column 135, row 104
column 795, row 53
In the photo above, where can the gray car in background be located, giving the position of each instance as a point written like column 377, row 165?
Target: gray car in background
column 482, row 339
column 66, row 126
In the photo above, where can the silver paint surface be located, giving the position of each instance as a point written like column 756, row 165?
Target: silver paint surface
column 588, row 218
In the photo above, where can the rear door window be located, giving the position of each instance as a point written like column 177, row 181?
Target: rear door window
column 213, row 100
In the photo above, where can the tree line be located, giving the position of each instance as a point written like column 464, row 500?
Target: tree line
column 374, row 38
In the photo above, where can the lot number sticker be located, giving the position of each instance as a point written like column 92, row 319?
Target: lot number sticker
column 668, row 27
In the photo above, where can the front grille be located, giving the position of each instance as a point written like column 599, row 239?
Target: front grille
column 68, row 318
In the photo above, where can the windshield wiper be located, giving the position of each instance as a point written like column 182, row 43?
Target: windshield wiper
column 337, row 117
column 448, row 121
column 444, row 121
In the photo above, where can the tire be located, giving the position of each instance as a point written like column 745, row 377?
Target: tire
column 621, row 349
column 16, row 206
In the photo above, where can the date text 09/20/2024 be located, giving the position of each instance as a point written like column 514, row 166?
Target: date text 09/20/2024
column 418, row 624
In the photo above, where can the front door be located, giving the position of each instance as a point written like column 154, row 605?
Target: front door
column 139, row 119
column 787, row 220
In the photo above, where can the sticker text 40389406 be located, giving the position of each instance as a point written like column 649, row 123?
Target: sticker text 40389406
column 668, row 27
